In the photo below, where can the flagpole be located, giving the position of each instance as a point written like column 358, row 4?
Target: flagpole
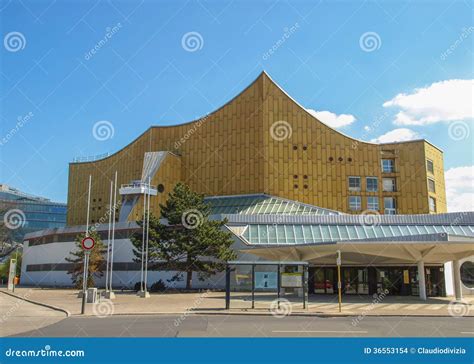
column 113, row 236
column 143, row 240
column 108, row 239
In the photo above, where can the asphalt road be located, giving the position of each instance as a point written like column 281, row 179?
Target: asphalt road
column 256, row 326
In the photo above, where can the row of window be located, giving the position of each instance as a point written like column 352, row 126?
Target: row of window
column 389, row 204
column 372, row 184
column 388, row 166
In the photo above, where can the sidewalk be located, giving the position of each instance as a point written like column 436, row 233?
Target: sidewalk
column 128, row 303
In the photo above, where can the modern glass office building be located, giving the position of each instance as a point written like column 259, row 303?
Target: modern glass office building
column 26, row 213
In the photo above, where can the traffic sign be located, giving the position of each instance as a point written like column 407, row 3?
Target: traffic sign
column 88, row 243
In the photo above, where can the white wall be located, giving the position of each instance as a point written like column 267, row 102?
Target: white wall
column 55, row 253
column 448, row 277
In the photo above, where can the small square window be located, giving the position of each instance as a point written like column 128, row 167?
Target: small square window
column 388, row 165
column 372, row 203
column 372, row 184
column 354, row 183
column 390, row 205
column 389, row 185
column 431, row 185
column 354, row 203
column 432, row 203
column 430, row 166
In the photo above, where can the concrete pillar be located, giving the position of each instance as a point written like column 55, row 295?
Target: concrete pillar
column 457, row 280
column 421, row 280
column 299, row 291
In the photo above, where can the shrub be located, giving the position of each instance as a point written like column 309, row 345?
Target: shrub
column 158, row 286
column 137, row 286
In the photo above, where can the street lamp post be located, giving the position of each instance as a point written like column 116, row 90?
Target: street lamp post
column 339, row 285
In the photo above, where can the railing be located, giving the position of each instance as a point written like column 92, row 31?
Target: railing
column 137, row 184
column 90, row 158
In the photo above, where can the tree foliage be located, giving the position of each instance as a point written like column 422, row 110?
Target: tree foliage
column 96, row 260
column 185, row 239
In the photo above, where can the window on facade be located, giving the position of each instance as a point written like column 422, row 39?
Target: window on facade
column 388, row 165
column 354, row 183
column 389, row 185
column 372, row 203
column 431, row 185
column 372, row 184
column 430, row 166
column 467, row 274
column 432, row 203
column 390, row 205
column 354, row 203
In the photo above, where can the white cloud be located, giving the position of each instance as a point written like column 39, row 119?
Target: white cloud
column 397, row 135
column 460, row 188
column 441, row 101
column 333, row 120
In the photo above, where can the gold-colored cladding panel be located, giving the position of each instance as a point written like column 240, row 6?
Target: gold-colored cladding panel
column 232, row 151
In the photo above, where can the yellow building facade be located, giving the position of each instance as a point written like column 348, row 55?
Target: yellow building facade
column 264, row 142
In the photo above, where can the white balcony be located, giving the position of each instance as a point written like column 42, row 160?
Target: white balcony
column 138, row 188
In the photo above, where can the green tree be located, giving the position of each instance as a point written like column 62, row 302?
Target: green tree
column 186, row 240
column 96, row 261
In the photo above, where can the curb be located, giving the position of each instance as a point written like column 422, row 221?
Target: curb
column 66, row 312
column 298, row 314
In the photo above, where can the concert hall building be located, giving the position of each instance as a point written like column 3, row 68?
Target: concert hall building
column 292, row 189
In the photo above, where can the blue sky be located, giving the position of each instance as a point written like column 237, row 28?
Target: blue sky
column 346, row 58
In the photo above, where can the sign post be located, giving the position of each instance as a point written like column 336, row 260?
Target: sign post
column 87, row 245
column 339, row 285
column 12, row 275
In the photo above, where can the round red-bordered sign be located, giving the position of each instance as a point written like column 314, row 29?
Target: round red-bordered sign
column 88, row 243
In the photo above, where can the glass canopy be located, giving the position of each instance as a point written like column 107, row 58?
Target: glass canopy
column 262, row 204
column 306, row 234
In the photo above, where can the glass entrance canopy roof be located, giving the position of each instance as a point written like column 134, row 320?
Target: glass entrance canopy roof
column 268, row 220
column 308, row 234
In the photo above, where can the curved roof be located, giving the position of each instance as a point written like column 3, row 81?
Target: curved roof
column 261, row 75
